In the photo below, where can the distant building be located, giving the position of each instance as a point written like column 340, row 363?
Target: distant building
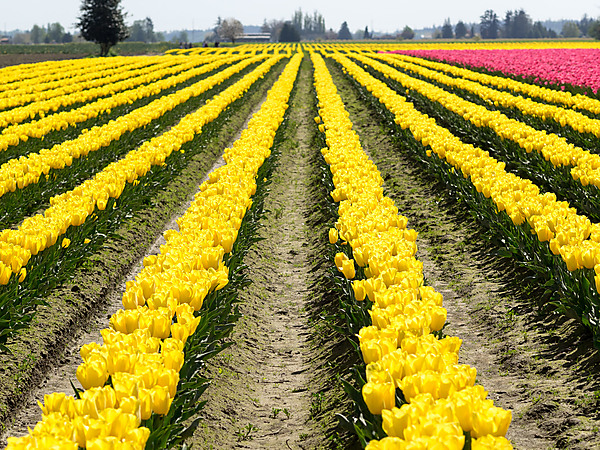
column 5, row 40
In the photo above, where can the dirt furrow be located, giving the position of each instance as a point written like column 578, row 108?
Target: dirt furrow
column 537, row 364
column 260, row 395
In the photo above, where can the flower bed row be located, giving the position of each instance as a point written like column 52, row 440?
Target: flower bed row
column 535, row 228
column 556, row 149
column 568, row 182
column 20, row 173
column 51, row 71
column 73, row 215
column 439, row 401
column 565, row 98
column 142, row 352
column 574, row 66
column 30, row 90
column 14, row 134
column 563, row 116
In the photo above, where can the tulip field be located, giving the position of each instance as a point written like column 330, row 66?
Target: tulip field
column 98, row 155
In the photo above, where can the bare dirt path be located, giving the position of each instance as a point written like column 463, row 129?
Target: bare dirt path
column 260, row 396
column 540, row 366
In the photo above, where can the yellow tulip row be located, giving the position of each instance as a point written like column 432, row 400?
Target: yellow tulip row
column 554, row 148
column 49, row 71
column 72, row 208
column 398, row 348
column 43, row 99
column 14, row 134
column 31, row 89
column 566, row 98
column 143, row 350
column 565, row 116
column 253, row 49
column 21, row 172
column 570, row 235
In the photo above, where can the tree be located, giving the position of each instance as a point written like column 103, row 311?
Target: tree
column 539, row 31
column 142, row 31
column 55, row 32
column 37, row 34
column 460, row 30
column 507, row 29
column 489, row 25
column 584, row 24
column 136, row 32
column 594, row 29
column 521, row 25
column 407, row 33
column 230, row 29
column 366, row 34
column 289, row 33
column 570, row 30
column 447, row 32
column 273, row 27
column 344, row 32
column 102, row 22
column 149, row 29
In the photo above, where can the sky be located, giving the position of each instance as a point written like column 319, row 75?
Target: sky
column 378, row 15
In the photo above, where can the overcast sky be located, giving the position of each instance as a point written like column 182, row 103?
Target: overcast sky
column 378, row 15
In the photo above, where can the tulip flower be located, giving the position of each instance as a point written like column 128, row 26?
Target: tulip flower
column 161, row 400
column 92, row 374
column 379, row 396
column 333, row 235
column 491, row 421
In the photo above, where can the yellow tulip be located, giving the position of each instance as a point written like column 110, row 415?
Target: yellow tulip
column 379, row 396
column 92, row 374
column 359, row 290
column 333, row 235
column 138, row 436
column 491, row 443
column 161, row 400
column 5, row 273
column 492, row 421
column 173, row 359
column 348, row 268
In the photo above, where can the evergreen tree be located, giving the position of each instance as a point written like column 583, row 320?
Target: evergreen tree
column 594, row 29
column 344, row 32
column 489, row 25
column 521, row 25
column 570, row 30
column 460, row 30
column 37, row 34
column 507, row 29
column 447, row 32
column 366, row 34
column 539, row 31
column 289, row 33
column 407, row 33
column 102, row 22
column 584, row 24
